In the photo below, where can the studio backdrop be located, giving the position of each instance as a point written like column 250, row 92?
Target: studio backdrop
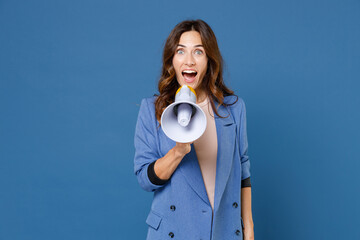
column 72, row 76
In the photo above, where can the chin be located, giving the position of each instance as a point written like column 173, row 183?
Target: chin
column 192, row 84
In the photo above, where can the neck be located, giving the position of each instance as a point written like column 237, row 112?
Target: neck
column 201, row 97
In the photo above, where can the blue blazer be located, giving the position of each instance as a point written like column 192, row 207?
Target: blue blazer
column 181, row 208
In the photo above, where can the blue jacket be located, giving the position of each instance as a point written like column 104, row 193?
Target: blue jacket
column 181, row 208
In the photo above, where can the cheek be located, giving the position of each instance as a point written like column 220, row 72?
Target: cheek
column 176, row 65
column 204, row 67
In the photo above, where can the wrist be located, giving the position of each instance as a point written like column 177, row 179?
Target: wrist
column 180, row 150
column 248, row 231
column 178, row 154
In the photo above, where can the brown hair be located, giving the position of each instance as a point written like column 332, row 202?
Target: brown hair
column 212, row 83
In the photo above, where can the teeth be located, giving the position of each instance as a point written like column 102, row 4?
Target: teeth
column 189, row 71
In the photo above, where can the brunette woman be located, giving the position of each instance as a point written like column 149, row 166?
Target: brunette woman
column 201, row 189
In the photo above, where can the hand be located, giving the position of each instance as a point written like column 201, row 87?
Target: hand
column 248, row 234
column 183, row 148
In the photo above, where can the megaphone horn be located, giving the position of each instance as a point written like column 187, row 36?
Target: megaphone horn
column 184, row 121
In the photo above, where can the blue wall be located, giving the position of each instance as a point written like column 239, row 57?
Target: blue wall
column 73, row 73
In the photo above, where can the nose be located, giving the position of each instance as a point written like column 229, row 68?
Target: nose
column 189, row 60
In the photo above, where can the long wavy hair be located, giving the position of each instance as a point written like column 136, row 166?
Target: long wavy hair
column 212, row 83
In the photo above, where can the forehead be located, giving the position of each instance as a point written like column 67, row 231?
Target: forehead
column 190, row 38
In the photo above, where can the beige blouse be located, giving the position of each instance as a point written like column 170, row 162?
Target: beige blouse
column 206, row 151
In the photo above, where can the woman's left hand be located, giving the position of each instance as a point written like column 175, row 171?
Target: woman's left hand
column 248, row 233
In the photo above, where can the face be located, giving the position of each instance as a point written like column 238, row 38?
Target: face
column 190, row 60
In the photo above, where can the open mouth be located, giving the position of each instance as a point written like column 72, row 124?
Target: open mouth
column 189, row 75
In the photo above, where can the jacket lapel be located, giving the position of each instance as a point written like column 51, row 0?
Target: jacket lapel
column 225, row 129
column 190, row 168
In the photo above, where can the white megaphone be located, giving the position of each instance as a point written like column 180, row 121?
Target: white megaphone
column 184, row 121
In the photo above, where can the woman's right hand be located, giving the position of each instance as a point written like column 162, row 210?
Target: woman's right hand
column 165, row 166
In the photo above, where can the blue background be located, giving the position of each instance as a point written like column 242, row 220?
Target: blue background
column 73, row 73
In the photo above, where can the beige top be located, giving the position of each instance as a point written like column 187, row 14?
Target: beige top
column 206, row 151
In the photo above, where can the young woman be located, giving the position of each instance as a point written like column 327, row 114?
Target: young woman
column 201, row 189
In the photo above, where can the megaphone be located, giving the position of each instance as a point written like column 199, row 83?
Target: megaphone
column 184, row 121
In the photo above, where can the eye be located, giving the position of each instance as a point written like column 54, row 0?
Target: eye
column 199, row 52
column 180, row 51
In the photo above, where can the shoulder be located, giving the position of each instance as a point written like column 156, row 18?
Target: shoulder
column 149, row 100
column 234, row 102
column 147, row 111
column 148, row 104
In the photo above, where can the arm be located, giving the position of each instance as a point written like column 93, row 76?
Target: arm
column 146, row 151
column 246, row 213
column 145, row 142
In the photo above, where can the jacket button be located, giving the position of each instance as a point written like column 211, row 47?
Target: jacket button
column 237, row 232
column 171, row 234
column 172, row 207
column 235, row 205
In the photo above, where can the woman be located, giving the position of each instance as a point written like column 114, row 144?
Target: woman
column 202, row 189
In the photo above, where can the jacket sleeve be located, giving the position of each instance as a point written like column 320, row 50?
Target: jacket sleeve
column 243, row 142
column 145, row 142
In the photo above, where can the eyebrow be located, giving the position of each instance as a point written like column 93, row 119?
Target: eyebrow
column 199, row 45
